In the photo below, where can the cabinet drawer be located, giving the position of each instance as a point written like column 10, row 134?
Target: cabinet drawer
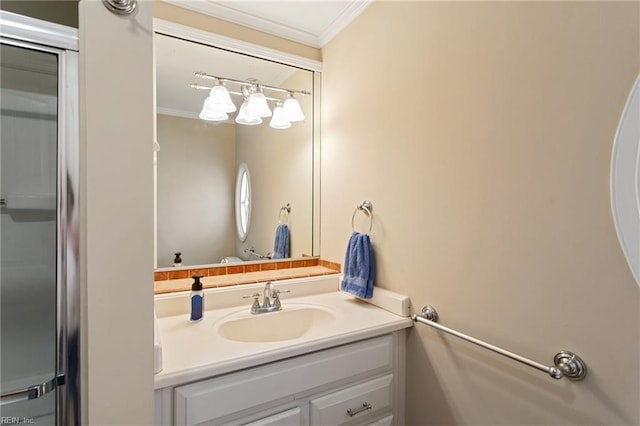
column 224, row 395
column 352, row 403
column 291, row 417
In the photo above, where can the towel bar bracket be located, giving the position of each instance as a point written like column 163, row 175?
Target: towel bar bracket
column 566, row 364
column 430, row 313
column 571, row 365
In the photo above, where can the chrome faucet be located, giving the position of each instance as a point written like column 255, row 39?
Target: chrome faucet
column 268, row 305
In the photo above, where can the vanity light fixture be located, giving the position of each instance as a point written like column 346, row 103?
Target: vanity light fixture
column 246, row 119
column 292, row 109
column 217, row 104
column 219, row 99
column 255, row 105
column 209, row 115
column 279, row 119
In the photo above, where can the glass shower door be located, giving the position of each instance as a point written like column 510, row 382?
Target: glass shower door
column 29, row 273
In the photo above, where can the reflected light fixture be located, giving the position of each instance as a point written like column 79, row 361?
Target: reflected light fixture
column 255, row 106
column 279, row 119
column 292, row 109
column 258, row 106
column 209, row 115
column 219, row 99
column 246, row 119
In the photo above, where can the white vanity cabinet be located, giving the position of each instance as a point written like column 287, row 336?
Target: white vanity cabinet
column 360, row 383
column 292, row 417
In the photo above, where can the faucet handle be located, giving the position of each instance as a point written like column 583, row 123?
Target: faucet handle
column 256, row 303
column 254, row 295
column 276, row 297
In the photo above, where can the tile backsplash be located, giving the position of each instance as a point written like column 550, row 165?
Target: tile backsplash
column 169, row 280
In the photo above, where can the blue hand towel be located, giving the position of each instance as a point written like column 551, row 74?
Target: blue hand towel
column 281, row 245
column 358, row 267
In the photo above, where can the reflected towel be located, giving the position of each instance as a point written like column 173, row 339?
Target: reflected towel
column 281, row 245
column 358, row 267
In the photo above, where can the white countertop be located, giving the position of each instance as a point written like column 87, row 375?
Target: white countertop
column 194, row 350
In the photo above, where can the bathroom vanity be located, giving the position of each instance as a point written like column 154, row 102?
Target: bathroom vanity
column 326, row 358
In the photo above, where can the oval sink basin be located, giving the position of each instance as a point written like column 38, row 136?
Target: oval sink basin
column 287, row 324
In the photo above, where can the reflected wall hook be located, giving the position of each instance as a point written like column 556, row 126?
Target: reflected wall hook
column 120, row 7
column 284, row 213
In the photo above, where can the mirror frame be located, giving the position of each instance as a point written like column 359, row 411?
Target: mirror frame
column 187, row 33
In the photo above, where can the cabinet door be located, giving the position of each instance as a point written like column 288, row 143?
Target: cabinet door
column 353, row 403
column 291, row 417
column 222, row 396
column 387, row 421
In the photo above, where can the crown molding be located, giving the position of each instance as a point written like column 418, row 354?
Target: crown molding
column 347, row 16
column 190, row 115
column 176, row 113
column 217, row 10
column 250, row 20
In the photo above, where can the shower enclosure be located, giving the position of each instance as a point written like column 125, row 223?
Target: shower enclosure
column 39, row 240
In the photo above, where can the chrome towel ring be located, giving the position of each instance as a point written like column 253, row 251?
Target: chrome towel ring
column 284, row 214
column 367, row 208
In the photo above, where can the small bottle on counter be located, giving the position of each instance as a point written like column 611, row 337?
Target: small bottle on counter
column 197, row 299
column 177, row 260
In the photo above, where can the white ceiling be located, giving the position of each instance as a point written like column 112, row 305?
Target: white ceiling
column 309, row 22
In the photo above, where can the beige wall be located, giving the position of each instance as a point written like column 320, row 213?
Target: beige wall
column 178, row 15
column 116, row 135
column 280, row 164
column 482, row 134
column 196, row 182
column 63, row 12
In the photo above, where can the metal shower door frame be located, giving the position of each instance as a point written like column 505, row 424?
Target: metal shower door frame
column 35, row 34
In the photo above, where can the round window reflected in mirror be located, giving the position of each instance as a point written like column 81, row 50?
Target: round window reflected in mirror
column 625, row 180
column 243, row 201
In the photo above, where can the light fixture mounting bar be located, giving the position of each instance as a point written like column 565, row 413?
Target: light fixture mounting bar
column 246, row 83
column 201, row 87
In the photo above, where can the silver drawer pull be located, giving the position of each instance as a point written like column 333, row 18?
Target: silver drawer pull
column 365, row 406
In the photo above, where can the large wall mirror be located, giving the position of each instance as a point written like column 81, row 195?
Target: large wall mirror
column 198, row 161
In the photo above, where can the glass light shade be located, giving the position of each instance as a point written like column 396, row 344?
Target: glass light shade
column 279, row 119
column 292, row 109
column 219, row 100
column 258, row 106
column 244, row 118
column 209, row 115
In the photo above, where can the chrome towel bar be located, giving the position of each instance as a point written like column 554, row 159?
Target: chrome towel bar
column 566, row 364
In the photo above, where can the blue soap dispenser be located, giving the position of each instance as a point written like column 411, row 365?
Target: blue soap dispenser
column 197, row 299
